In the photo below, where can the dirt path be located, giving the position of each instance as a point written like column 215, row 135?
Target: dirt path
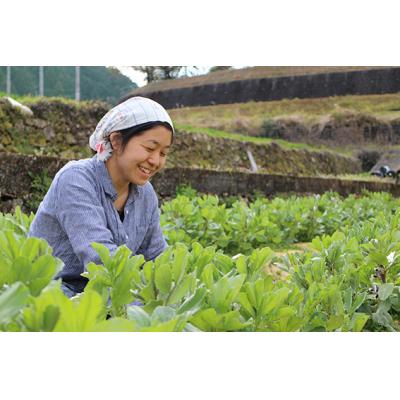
column 275, row 270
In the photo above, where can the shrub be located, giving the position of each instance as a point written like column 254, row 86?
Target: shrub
column 270, row 129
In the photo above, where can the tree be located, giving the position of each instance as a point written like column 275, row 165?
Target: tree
column 219, row 68
column 154, row 73
column 169, row 72
column 97, row 83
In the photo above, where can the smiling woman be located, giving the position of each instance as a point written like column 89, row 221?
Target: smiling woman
column 108, row 199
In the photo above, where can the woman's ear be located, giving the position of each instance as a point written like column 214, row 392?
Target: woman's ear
column 116, row 141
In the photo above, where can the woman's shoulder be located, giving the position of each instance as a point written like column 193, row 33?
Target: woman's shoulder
column 85, row 167
column 148, row 193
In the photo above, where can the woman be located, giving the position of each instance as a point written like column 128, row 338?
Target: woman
column 108, row 199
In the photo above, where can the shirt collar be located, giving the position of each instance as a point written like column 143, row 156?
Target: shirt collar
column 106, row 182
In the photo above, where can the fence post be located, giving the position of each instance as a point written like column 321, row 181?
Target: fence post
column 77, row 83
column 8, row 86
column 41, row 82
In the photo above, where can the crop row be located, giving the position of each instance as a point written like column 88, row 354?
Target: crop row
column 241, row 227
column 349, row 281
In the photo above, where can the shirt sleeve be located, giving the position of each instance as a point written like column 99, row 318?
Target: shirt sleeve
column 154, row 242
column 81, row 214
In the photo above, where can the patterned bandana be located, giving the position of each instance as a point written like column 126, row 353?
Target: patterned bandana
column 132, row 112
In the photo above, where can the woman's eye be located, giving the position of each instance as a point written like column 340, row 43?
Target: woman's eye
column 149, row 149
column 163, row 154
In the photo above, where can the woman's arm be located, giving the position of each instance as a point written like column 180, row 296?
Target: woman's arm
column 154, row 242
column 81, row 214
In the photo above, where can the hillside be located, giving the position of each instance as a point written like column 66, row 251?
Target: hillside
column 97, row 83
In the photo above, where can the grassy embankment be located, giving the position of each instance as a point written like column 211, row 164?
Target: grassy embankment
column 250, row 116
column 27, row 100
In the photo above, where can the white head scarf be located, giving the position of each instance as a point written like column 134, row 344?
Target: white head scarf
column 132, row 112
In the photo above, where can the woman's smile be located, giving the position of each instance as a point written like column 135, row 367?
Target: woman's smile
column 146, row 171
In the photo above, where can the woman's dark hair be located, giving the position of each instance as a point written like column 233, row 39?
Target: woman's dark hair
column 128, row 133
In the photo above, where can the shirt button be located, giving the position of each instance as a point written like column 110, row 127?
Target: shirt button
column 126, row 212
column 126, row 237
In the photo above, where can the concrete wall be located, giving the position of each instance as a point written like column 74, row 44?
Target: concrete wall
column 17, row 172
column 242, row 183
column 376, row 81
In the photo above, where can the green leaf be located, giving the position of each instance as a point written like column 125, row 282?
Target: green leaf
column 207, row 276
column 116, row 325
column 103, row 252
column 348, row 298
column 231, row 322
column 275, row 299
column 223, row 263
column 88, row 310
column 383, row 318
column 180, row 263
column 173, row 325
column 359, row 300
column 385, row 291
column 162, row 314
column 44, row 311
column 30, row 248
column 206, row 320
column 6, row 272
column 241, row 264
column 193, row 303
column 147, row 293
column 245, row 303
column 180, row 290
column 12, row 300
column 148, row 271
column 334, row 322
column 150, row 306
column 358, row 322
column 251, row 294
column 163, row 278
column 139, row 316
column 82, row 313
column 50, row 317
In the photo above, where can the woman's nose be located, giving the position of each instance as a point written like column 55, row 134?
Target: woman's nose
column 154, row 159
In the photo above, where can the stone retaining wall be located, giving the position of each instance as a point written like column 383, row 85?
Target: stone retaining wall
column 374, row 81
column 62, row 130
column 18, row 171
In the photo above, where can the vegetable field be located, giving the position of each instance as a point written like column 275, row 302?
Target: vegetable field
column 217, row 274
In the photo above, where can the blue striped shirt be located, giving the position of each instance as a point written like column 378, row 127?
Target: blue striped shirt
column 78, row 210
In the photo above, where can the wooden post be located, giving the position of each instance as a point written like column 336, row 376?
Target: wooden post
column 253, row 164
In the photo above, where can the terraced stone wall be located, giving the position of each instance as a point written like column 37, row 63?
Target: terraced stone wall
column 374, row 81
column 19, row 172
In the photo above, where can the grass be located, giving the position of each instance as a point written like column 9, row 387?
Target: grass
column 26, row 100
column 306, row 111
column 258, row 140
column 365, row 176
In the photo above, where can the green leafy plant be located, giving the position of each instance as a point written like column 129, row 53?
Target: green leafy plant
column 39, row 186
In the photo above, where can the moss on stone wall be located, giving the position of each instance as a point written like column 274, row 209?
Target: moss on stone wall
column 62, row 129
column 56, row 128
column 32, row 182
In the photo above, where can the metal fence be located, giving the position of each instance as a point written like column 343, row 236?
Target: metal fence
column 41, row 79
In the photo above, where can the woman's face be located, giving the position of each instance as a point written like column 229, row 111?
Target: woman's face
column 144, row 155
